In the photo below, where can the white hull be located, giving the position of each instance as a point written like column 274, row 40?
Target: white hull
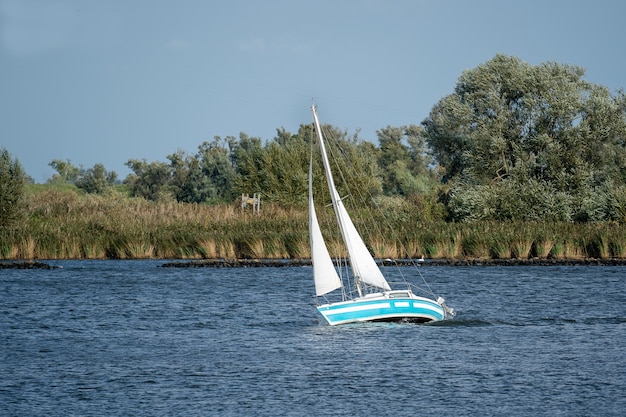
column 384, row 306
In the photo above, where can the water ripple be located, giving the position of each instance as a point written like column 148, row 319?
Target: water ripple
column 129, row 338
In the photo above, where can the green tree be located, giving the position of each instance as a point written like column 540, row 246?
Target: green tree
column 66, row 173
column 393, row 160
column 183, row 168
column 96, row 180
column 418, row 149
column 404, row 161
column 151, row 181
column 207, row 176
column 216, row 174
column 284, row 169
column 248, row 157
column 511, row 121
column 12, row 181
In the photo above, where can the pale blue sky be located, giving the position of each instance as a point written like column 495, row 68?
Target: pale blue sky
column 108, row 81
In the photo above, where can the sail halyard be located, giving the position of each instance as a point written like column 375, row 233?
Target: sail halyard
column 363, row 266
column 324, row 272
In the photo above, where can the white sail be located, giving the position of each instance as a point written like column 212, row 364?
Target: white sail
column 324, row 272
column 362, row 263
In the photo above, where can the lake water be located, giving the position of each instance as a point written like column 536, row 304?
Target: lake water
column 112, row 338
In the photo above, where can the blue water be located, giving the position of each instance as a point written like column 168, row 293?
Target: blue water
column 112, row 338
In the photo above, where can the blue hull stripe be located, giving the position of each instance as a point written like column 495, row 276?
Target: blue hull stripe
column 381, row 309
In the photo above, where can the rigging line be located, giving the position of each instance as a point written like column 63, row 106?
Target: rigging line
column 426, row 290
column 361, row 196
column 352, row 176
column 330, row 136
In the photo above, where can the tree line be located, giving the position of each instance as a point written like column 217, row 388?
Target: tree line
column 224, row 168
column 513, row 141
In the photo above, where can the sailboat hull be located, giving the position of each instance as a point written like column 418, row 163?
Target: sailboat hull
column 385, row 306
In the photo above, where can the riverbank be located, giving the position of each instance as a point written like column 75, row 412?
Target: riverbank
column 275, row 263
column 26, row 265
column 278, row 263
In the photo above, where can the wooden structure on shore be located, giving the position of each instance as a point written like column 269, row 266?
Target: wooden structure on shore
column 255, row 201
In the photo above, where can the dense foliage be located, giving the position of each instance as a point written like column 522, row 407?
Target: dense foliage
column 226, row 168
column 405, row 169
column 96, row 180
column 12, row 182
column 531, row 142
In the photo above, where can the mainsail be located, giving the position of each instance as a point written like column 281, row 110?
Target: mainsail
column 324, row 272
column 363, row 266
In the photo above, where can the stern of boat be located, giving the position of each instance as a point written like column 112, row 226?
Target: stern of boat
column 448, row 311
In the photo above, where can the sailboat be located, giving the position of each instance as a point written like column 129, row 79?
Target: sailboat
column 373, row 299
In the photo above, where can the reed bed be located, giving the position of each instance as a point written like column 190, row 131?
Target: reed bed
column 61, row 224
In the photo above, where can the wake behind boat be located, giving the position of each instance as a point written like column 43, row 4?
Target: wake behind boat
column 376, row 300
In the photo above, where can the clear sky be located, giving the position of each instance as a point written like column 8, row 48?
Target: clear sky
column 105, row 81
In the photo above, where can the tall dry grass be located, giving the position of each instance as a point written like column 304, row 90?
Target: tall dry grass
column 65, row 225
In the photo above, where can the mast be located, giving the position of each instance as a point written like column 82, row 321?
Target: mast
column 363, row 266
